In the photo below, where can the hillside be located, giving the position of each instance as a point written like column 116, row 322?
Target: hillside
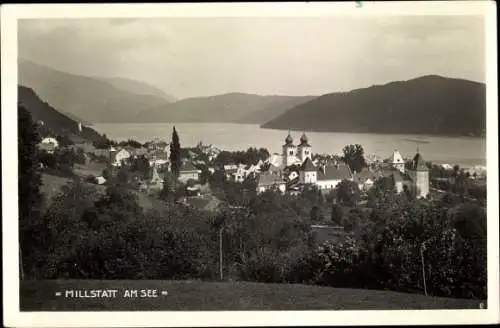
column 139, row 88
column 230, row 107
column 91, row 99
column 53, row 120
column 426, row 105
column 185, row 295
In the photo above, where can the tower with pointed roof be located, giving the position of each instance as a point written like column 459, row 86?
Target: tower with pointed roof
column 289, row 151
column 420, row 176
column 397, row 161
column 304, row 149
column 308, row 172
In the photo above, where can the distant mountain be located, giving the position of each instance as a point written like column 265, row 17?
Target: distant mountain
column 54, row 122
column 139, row 88
column 427, row 105
column 230, row 107
column 91, row 99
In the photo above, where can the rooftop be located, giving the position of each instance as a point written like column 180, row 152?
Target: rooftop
column 335, row 172
column 188, row 167
column 308, row 166
column 269, row 179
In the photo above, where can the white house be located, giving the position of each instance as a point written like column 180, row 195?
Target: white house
column 325, row 176
column 157, row 158
column 100, row 180
column 50, row 140
column 117, row 157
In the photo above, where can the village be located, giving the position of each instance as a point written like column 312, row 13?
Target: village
column 144, row 167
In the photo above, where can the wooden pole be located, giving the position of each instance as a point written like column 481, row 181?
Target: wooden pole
column 220, row 253
column 423, row 267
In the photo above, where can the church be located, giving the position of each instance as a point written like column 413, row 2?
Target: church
column 297, row 161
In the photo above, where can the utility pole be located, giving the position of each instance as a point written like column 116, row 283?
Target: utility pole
column 422, row 247
column 220, row 252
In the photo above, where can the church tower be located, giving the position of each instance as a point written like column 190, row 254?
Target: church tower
column 304, row 149
column 289, row 151
column 420, row 176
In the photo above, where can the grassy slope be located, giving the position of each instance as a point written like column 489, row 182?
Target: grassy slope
column 52, row 184
column 197, row 295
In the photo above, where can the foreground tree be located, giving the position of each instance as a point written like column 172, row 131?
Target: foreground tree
column 354, row 157
column 30, row 198
column 175, row 154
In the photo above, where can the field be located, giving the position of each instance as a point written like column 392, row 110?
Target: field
column 94, row 169
column 199, row 296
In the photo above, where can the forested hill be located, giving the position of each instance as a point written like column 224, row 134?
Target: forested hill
column 53, row 121
column 427, row 105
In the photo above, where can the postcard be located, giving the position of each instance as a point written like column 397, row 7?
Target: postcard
column 255, row 164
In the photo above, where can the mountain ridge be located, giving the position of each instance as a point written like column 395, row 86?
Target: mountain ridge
column 91, row 99
column 233, row 107
column 429, row 104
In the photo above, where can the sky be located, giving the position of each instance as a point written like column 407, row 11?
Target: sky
column 204, row 56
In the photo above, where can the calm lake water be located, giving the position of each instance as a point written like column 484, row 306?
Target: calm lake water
column 465, row 151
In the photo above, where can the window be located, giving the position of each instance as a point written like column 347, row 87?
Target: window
column 290, row 152
column 306, row 152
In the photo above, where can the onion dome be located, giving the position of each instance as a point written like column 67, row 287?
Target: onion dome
column 289, row 139
column 303, row 139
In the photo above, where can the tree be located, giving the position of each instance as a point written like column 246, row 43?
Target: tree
column 354, row 157
column 141, row 165
column 337, row 214
column 106, row 173
column 169, row 186
column 175, row 154
column 122, row 176
column 348, row 193
column 30, row 197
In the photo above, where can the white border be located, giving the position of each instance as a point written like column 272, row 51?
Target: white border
column 12, row 315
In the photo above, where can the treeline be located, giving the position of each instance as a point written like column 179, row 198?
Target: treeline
column 251, row 156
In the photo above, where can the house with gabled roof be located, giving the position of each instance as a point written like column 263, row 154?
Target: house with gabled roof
column 323, row 176
column 366, row 178
column 267, row 181
column 119, row 156
column 188, row 172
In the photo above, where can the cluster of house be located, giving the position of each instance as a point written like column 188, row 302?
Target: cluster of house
column 157, row 153
column 295, row 168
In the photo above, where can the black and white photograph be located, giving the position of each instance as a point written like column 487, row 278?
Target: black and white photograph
column 178, row 160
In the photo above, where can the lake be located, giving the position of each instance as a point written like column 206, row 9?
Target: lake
column 464, row 151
